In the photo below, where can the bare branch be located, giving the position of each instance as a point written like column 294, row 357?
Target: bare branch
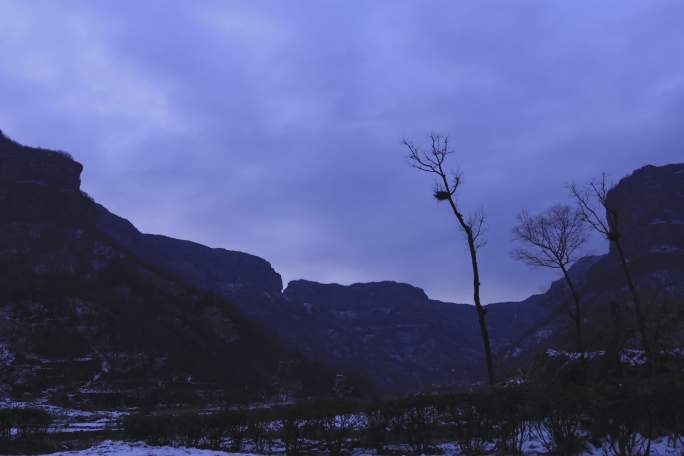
column 553, row 239
column 592, row 202
column 478, row 224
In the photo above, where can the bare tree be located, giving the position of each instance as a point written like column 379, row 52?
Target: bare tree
column 553, row 240
column 592, row 201
column 432, row 162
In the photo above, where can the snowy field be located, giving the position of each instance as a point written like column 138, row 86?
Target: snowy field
column 73, row 420
column 659, row 447
column 109, row 448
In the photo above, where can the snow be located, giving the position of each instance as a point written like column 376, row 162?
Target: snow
column 72, row 420
column 633, row 357
column 6, row 356
column 574, row 356
column 664, row 248
column 629, row 356
column 58, row 412
column 533, row 444
column 661, row 447
column 112, row 448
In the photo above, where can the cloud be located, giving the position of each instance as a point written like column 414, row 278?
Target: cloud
column 275, row 128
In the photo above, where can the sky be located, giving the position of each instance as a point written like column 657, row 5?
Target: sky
column 275, row 128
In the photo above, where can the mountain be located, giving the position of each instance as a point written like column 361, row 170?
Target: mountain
column 407, row 341
column 92, row 305
column 222, row 270
column 649, row 205
column 83, row 319
column 117, row 293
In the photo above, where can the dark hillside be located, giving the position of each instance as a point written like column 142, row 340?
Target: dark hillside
column 80, row 317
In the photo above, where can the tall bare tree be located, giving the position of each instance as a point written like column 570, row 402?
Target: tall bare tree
column 592, row 201
column 433, row 162
column 553, row 239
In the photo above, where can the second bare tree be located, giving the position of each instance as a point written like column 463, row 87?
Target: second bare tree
column 553, row 240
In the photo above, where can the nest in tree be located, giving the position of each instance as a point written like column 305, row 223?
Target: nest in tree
column 442, row 195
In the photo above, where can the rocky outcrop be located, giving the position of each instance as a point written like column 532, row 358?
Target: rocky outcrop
column 39, row 185
column 650, row 208
column 382, row 297
column 21, row 164
column 392, row 331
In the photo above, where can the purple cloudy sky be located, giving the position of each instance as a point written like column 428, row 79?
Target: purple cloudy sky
column 275, row 127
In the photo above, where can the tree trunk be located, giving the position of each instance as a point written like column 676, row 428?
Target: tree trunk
column 641, row 324
column 481, row 311
column 616, row 345
column 578, row 313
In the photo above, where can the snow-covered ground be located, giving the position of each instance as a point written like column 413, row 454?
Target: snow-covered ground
column 628, row 356
column 72, row 420
column 110, row 448
column 660, row 447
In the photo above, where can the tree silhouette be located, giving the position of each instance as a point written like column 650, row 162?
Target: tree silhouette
column 433, row 162
column 592, row 201
column 553, row 240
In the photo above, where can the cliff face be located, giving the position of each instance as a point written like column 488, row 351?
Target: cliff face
column 383, row 297
column 40, row 185
column 393, row 332
column 650, row 207
column 21, row 164
column 224, row 271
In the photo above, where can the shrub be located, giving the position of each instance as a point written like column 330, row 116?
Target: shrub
column 25, row 422
column 559, row 424
column 473, row 419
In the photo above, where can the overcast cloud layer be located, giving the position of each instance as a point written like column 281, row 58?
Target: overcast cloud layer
column 275, row 127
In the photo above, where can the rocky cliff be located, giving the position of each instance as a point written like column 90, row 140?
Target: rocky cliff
column 650, row 208
column 20, row 164
column 83, row 318
column 224, row 271
column 649, row 205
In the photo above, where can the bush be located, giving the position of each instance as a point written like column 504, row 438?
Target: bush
column 25, row 430
column 560, row 415
column 473, row 418
column 156, row 430
column 23, row 423
column 621, row 419
column 378, row 422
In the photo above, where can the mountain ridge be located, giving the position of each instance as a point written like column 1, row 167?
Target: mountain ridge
column 84, row 320
column 390, row 331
